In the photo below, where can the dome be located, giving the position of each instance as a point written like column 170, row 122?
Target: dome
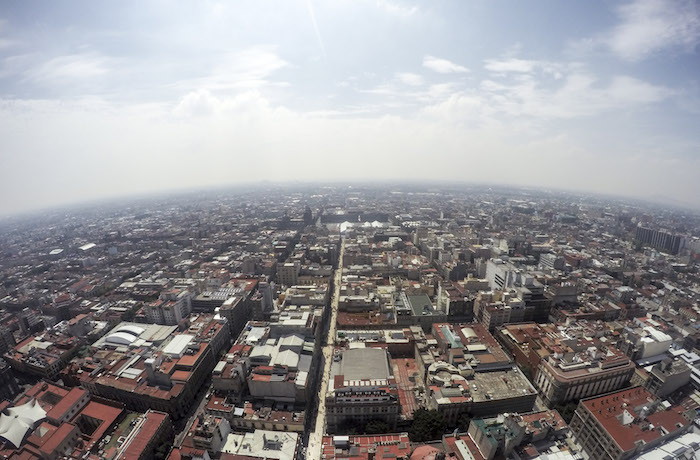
column 121, row 338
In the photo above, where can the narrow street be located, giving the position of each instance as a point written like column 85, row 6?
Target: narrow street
column 199, row 407
column 316, row 437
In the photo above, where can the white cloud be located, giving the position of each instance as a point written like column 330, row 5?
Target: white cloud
column 579, row 95
column 510, row 65
column 440, row 65
column 396, row 9
column 411, row 79
column 94, row 142
column 648, row 27
column 250, row 68
column 71, row 67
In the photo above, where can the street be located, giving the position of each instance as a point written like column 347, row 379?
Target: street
column 316, row 437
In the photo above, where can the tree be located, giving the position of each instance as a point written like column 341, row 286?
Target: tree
column 566, row 410
column 427, row 425
column 463, row 422
column 376, row 427
column 161, row 452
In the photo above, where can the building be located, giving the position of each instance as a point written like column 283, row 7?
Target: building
column 162, row 373
column 455, row 391
column 683, row 447
column 279, row 371
column 237, row 310
column 468, row 346
column 288, row 274
column 246, row 417
column 625, row 423
column 150, row 431
column 8, row 383
column 381, row 447
column 495, row 308
column 502, row 435
column 208, row 432
column 500, row 274
column 661, row 239
column 644, row 342
column 264, row 445
column 550, row 261
column 361, row 388
column 43, row 355
column 7, row 340
column 171, row 308
column 579, row 374
column 51, row 422
column 667, row 376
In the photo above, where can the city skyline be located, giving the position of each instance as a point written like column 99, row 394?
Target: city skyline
column 102, row 100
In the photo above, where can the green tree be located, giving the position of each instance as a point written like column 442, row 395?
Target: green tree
column 427, row 425
column 162, row 452
column 376, row 427
column 566, row 410
column 463, row 422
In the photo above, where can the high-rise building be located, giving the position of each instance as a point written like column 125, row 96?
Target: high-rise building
column 661, row 239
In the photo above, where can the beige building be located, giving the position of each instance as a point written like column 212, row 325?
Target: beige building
column 568, row 377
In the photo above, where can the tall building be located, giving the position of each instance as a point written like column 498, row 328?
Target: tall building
column 362, row 389
column 7, row 340
column 288, row 274
column 8, row 384
column 661, row 240
column 624, row 424
column 572, row 376
column 171, row 308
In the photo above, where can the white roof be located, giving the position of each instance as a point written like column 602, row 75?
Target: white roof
column 291, row 341
column 22, row 419
column 178, row 345
column 263, row 350
column 469, row 332
column 131, row 329
column 122, row 338
column 255, row 334
column 286, row 358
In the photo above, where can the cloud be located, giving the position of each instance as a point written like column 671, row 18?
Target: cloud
column 510, row 65
column 650, row 26
column 528, row 101
column 396, row 9
column 410, row 79
column 440, row 65
column 70, row 67
column 647, row 28
column 250, row 68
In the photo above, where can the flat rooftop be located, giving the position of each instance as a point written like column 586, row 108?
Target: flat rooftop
column 365, row 363
column 500, row 385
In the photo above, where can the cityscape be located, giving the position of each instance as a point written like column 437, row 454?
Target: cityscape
column 352, row 322
column 350, row 230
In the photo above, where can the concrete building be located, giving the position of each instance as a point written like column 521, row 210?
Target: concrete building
column 264, row 445
column 288, row 274
column 667, row 376
column 8, row 383
column 380, row 447
column 626, row 423
column 455, row 391
column 209, row 433
column 661, row 239
column 575, row 375
column 362, row 388
column 171, row 308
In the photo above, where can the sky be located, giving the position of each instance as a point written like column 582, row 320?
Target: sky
column 101, row 99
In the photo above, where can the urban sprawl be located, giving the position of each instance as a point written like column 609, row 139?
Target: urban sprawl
column 351, row 322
